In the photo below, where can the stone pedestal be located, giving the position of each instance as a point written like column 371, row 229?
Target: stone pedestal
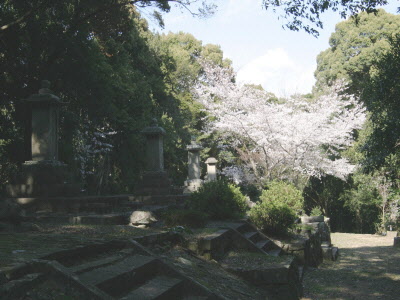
column 194, row 169
column 44, row 175
column 155, row 180
column 211, row 169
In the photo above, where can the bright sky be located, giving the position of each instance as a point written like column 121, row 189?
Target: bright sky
column 263, row 52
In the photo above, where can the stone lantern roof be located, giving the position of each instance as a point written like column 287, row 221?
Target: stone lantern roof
column 153, row 129
column 193, row 147
column 45, row 96
column 211, row 161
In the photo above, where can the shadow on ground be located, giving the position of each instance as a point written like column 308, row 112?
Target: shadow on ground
column 368, row 272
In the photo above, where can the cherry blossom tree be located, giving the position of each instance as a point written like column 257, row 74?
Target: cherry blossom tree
column 281, row 139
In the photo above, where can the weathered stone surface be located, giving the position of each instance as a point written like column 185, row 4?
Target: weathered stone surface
column 193, row 182
column 211, row 168
column 307, row 249
column 396, row 242
column 89, row 272
column 194, row 170
column 140, row 217
column 154, row 147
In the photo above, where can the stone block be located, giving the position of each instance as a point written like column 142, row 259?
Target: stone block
column 396, row 242
column 312, row 219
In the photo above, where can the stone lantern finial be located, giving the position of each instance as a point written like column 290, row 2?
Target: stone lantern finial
column 45, row 87
column 154, row 122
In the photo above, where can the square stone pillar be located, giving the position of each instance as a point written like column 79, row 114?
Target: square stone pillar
column 155, row 180
column 194, row 168
column 211, row 169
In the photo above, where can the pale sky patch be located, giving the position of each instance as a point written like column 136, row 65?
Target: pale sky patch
column 278, row 73
column 262, row 51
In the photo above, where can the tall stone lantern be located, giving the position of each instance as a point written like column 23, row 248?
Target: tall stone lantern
column 45, row 115
column 194, row 169
column 155, row 179
column 44, row 174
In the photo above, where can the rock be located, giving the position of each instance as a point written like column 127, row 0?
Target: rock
column 396, row 242
column 140, row 217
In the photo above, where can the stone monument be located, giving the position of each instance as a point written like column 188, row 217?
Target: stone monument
column 194, row 170
column 155, row 179
column 43, row 175
column 211, row 169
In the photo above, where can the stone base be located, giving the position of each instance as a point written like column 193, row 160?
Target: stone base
column 43, row 178
column 45, row 171
column 192, row 185
column 155, row 183
column 43, row 190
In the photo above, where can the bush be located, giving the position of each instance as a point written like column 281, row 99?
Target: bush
column 252, row 191
column 273, row 217
column 282, row 192
column 219, row 199
column 189, row 218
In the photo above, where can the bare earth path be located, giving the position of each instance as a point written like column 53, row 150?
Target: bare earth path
column 368, row 268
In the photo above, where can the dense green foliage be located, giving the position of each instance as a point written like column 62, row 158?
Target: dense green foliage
column 189, row 218
column 363, row 200
column 276, row 211
column 354, row 46
column 316, row 211
column 273, row 217
column 282, row 192
column 324, row 193
column 219, row 199
column 306, row 14
column 365, row 52
column 381, row 94
column 115, row 75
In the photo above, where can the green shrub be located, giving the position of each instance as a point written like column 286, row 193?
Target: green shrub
column 282, row 192
column 251, row 190
column 219, row 199
column 273, row 217
column 316, row 211
column 189, row 218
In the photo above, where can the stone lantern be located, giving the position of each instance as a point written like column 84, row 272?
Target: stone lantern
column 211, row 169
column 45, row 114
column 194, row 169
column 154, row 147
column 43, row 175
column 155, row 179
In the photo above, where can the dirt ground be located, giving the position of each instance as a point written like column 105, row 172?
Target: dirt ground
column 368, row 268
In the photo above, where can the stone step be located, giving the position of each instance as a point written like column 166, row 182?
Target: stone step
column 118, row 278
column 98, row 207
column 159, row 287
column 101, row 219
column 86, row 267
column 252, row 236
column 266, row 245
column 243, row 227
column 275, row 252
